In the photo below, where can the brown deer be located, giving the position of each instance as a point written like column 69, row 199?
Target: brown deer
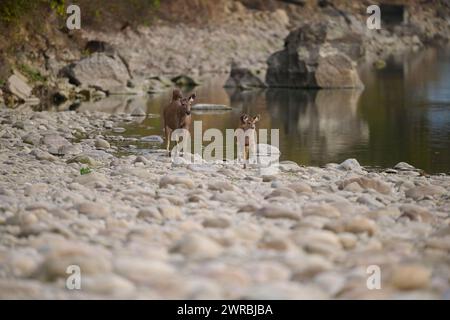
column 177, row 115
column 248, row 125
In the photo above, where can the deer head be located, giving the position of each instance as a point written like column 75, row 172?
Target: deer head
column 248, row 122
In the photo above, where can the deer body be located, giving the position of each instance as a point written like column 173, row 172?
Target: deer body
column 248, row 125
column 177, row 115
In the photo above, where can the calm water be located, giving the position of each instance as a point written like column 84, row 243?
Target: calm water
column 403, row 114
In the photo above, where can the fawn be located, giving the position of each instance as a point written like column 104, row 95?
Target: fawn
column 248, row 125
column 177, row 115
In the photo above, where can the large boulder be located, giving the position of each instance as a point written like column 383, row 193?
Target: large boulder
column 319, row 55
column 99, row 70
column 18, row 90
column 243, row 78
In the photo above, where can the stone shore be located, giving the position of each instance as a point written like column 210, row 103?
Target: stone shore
column 141, row 226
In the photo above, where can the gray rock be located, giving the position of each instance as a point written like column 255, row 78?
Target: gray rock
column 209, row 106
column 102, row 144
column 404, row 166
column 243, row 78
column 184, row 81
column 337, row 71
column 175, row 180
column 317, row 55
column 220, row 223
column 423, row 191
column 106, row 71
column 18, row 85
column 350, row 164
column 93, row 210
column 197, row 247
column 366, row 183
column 152, row 139
column 55, row 143
column 43, row 155
column 278, row 212
column 416, row 213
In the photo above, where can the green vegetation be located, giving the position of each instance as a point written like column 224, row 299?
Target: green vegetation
column 85, row 170
column 12, row 11
column 32, row 74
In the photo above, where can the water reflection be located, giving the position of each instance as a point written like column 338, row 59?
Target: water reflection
column 403, row 114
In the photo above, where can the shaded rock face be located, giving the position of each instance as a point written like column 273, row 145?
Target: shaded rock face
column 243, row 78
column 321, row 55
column 105, row 71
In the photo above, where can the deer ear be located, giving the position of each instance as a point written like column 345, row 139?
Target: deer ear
column 257, row 118
column 192, row 97
column 244, row 118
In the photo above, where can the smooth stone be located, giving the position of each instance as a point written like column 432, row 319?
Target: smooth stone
column 361, row 225
column 209, row 106
column 108, row 285
column 367, row 183
column 410, row 277
column 282, row 192
column 420, row 192
column 350, row 164
column 300, row 187
column 278, row 212
column 220, row 186
column 92, row 179
column 176, row 180
column 220, row 223
column 93, row 210
column 170, row 212
column 43, row 155
column 404, row 166
column 153, row 139
column 102, row 144
column 323, row 210
column 36, row 189
column 416, row 213
column 197, row 247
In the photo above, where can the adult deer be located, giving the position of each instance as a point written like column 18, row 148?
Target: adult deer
column 177, row 115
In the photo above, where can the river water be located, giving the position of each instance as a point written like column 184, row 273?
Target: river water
column 403, row 114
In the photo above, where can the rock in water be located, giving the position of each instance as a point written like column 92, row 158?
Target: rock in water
column 337, row 71
column 108, row 72
column 184, row 81
column 319, row 55
column 209, row 106
column 243, row 78
column 152, row 139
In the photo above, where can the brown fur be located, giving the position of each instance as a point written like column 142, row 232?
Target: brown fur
column 177, row 115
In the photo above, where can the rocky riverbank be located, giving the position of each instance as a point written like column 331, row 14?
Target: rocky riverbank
column 253, row 36
column 143, row 227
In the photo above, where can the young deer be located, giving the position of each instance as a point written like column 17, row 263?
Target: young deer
column 248, row 125
column 177, row 115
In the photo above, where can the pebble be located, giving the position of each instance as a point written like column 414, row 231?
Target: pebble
column 278, row 212
column 410, row 277
column 102, row 144
column 423, row 191
column 93, row 210
column 197, row 247
column 175, row 180
column 323, row 210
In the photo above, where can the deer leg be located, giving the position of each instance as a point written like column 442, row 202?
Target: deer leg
column 245, row 156
column 168, row 132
